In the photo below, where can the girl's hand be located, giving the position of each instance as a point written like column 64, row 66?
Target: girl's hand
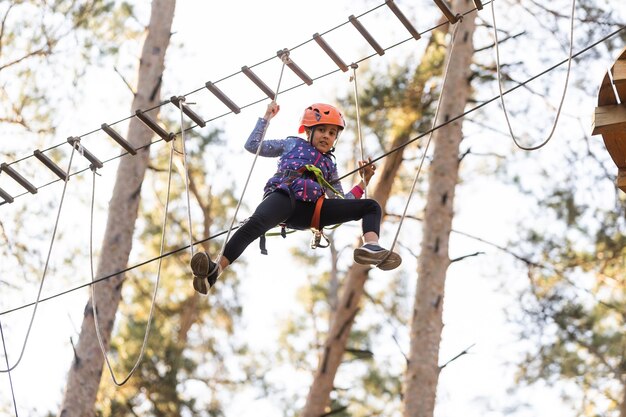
column 367, row 171
column 272, row 110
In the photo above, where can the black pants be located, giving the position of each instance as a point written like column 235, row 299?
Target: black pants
column 277, row 208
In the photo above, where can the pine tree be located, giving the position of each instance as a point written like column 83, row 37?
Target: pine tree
column 86, row 370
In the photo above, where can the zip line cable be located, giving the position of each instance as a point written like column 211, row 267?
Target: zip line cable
column 569, row 67
column 45, row 268
column 397, row 148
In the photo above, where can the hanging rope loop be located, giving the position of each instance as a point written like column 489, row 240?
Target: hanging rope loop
column 501, row 92
column 156, row 285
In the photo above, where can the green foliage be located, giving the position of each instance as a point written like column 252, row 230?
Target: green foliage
column 58, row 40
column 577, row 300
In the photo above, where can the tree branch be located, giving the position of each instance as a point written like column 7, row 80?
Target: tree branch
column 464, row 352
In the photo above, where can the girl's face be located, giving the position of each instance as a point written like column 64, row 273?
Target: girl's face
column 324, row 137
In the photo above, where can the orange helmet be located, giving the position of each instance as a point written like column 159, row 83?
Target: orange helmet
column 321, row 114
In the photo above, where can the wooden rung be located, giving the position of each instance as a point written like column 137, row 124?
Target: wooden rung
column 329, row 51
column 369, row 38
column 222, row 97
column 75, row 142
column 152, row 125
column 447, row 12
column 51, row 165
column 609, row 119
column 258, row 82
column 478, row 4
column 294, row 67
column 118, row 138
column 6, row 196
column 18, row 178
column 180, row 103
column 416, row 35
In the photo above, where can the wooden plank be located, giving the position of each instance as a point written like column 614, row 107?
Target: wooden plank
column 615, row 143
column 606, row 95
column 609, row 119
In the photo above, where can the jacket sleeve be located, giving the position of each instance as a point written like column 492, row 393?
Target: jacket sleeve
column 269, row 148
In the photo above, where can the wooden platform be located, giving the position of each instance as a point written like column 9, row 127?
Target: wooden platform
column 610, row 116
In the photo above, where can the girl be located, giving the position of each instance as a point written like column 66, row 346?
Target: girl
column 296, row 193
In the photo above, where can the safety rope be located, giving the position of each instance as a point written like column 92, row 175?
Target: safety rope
column 6, row 357
column 319, row 177
column 569, row 66
column 430, row 136
column 156, row 284
column 358, row 120
column 186, row 169
column 45, row 268
column 285, row 59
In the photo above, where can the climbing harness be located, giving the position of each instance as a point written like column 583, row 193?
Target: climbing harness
column 558, row 112
column 75, row 146
column 318, row 232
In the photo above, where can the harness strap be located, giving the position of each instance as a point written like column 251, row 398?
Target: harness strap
column 315, row 220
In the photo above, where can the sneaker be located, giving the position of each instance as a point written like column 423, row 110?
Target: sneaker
column 369, row 254
column 372, row 254
column 205, row 272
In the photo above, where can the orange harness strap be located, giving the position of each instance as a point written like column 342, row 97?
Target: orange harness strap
column 315, row 220
column 318, row 233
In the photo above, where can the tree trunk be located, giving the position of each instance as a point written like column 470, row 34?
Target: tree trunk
column 353, row 287
column 86, row 370
column 348, row 304
column 423, row 369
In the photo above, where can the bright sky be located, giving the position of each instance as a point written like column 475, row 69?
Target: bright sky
column 213, row 40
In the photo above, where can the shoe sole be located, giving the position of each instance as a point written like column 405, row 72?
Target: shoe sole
column 365, row 257
column 392, row 262
column 200, row 269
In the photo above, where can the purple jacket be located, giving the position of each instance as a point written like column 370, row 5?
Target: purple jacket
column 294, row 153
